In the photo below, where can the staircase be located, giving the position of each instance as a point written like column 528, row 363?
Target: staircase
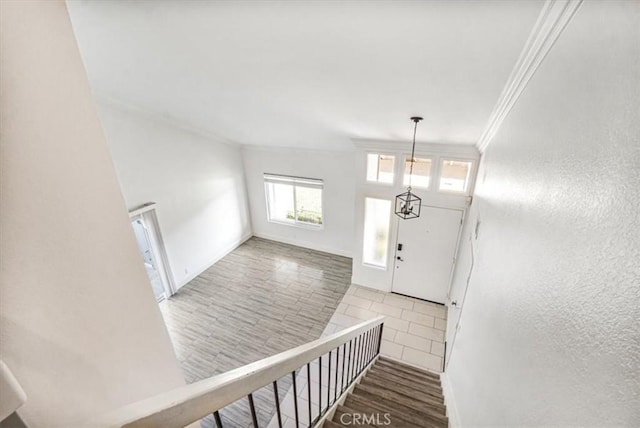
column 393, row 394
column 358, row 388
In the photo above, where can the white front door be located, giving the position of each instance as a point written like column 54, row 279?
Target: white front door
column 425, row 253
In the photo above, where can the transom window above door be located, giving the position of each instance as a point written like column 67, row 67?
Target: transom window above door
column 380, row 168
column 295, row 201
column 421, row 176
column 455, row 176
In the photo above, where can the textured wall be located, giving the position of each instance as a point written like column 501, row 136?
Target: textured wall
column 79, row 325
column 550, row 330
column 197, row 182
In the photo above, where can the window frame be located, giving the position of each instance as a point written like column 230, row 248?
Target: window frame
column 394, row 170
column 470, row 175
column 432, row 169
column 294, row 181
column 389, row 231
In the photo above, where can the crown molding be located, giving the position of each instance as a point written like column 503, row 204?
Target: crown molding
column 553, row 19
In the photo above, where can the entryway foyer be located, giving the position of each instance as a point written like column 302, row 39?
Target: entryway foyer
column 266, row 297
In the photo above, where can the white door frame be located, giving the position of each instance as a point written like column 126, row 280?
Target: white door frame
column 455, row 259
column 147, row 213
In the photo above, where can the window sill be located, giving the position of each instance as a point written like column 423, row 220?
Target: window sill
column 298, row 225
column 369, row 265
column 454, row 192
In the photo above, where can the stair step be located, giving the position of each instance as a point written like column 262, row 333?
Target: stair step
column 408, row 369
column 389, row 395
column 397, row 373
column 364, row 406
column 409, row 393
column 422, row 374
column 423, row 387
column 331, row 424
column 399, row 413
column 358, row 420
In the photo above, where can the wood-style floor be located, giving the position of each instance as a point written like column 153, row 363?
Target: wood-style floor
column 261, row 299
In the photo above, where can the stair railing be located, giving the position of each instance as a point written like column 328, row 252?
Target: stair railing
column 359, row 346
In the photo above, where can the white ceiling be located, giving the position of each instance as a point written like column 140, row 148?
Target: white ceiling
column 307, row 74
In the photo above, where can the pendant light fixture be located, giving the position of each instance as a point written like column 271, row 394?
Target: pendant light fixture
column 407, row 203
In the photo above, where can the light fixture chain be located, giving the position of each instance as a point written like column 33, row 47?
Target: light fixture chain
column 413, row 151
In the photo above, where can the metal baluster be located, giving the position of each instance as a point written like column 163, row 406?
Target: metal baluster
column 216, row 417
column 370, row 346
column 344, row 352
column 373, row 341
column 355, row 359
column 354, row 374
column 295, row 398
column 319, row 386
column 360, row 352
column 309, row 389
column 329, row 381
column 335, row 386
column 275, row 393
column 364, row 351
column 380, row 339
column 365, row 357
column 252, row 407
column 352, row 348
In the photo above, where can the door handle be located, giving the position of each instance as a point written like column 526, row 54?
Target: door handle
column 400, row 258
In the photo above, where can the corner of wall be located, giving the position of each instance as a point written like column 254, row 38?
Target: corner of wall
column 184, row 281
column 450, row 401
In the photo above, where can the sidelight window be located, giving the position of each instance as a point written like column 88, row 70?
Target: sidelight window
column 377, row 214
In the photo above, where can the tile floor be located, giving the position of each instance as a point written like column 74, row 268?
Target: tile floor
column 413, row 333
column 414, row 330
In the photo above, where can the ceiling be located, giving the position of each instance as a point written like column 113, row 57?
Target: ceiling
column 307, row 74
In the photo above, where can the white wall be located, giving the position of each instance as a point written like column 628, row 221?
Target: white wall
column 335, row 168
column 79, row 325
column 197, row 182
column 550, row 330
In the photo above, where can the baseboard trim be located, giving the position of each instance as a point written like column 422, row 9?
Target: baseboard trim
column 372, row 287
column 304, row 244
column 450, row 401
column 207, row 265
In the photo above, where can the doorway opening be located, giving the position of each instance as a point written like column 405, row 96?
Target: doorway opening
column 149, row 240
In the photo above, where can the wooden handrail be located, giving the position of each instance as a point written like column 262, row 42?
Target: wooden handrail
column 184, row 405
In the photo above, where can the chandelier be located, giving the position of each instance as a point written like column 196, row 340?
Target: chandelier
column 407, row 203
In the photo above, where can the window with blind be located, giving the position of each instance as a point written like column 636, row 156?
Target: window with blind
column 296, row 201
